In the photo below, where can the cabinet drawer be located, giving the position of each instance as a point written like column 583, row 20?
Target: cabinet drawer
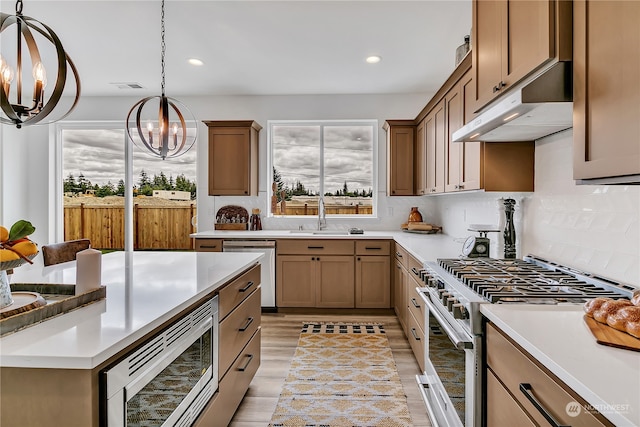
column 237, row 329
column 373, row 247
column 315, row 247
column 416, row 306
column 209, row 245
column 232, row 387
column 415, row 335
column 402, row 255
column 503, row 409
column 414, row 268
column 514, row 367
column 235, row 292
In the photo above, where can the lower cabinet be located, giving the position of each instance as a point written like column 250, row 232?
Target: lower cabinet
column 400, row 284
column 238, row 348
column 521, row 392
column 322, row 273
column 208, row 245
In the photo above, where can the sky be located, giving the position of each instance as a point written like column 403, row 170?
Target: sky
column 99, row 156
column 348, row 155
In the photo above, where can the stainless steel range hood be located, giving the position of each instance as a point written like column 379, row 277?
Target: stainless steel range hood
column 532, row 110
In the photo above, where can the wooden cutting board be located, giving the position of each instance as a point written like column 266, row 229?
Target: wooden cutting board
column 606, row 335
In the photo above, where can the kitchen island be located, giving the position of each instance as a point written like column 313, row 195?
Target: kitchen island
column 51, row 371
column 607, row 378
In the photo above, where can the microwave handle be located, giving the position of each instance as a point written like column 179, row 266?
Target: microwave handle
column 460, row 343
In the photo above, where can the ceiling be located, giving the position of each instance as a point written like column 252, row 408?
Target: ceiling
column 257, row 47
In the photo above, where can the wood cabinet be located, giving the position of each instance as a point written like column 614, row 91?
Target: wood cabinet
column 233, row 158
column 513, row 38
column 420, row 159
column 373, row 274
column 400, row 162
column 238, row 347
column 515, row 380
column 415, row 313
column 208, row 245
column 400, row 284
column 315, row 273
column 436, row 141
column 463, row 159
column 606, row 98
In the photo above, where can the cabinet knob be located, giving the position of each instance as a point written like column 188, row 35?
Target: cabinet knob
column 358, row 258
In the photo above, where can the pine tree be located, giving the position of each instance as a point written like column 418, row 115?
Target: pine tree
column 69, row 185
column 120, row 189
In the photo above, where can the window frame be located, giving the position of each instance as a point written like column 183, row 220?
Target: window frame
column 323, row 123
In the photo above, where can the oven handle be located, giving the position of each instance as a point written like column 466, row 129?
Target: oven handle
column 527, row 390
column 460, row 343
column 423, row 384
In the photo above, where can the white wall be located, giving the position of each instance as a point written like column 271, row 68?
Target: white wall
column 594, row 228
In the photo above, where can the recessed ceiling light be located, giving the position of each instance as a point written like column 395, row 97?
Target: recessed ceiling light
column 374, row 59
column 196, row 62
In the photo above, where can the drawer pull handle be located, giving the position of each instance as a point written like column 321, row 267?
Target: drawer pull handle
column 246, row 365
column 373, row 248
column 246, row 288
column 415, row 336
column 415, row 303
column 208, row 246
column 245, row 327
column 398, row 254
column 315, row 247
column 414, row 271
column 527, row 390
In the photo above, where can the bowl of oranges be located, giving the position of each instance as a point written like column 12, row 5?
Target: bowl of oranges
column 15, row 247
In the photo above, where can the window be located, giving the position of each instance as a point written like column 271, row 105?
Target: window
column 335, row 159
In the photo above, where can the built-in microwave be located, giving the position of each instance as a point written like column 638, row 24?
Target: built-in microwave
column 167, row 381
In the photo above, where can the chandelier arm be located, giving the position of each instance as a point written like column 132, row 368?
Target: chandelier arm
column 62, row 68
column 163, row 123
column 140, row 106
column 182, row 124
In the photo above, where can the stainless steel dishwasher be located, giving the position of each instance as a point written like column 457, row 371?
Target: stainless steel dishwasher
column 267, row 266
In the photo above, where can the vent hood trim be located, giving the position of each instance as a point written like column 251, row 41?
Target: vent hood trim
column 539, row 107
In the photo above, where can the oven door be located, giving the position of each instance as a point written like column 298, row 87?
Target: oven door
column 452, row 380
column 170, row 379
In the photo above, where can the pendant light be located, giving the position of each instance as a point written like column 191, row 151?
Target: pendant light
column 29, row 32
column 163, row 130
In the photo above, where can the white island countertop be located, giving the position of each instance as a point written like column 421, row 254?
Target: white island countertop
column 144, row 290
column 424, row 247
column 607, row 378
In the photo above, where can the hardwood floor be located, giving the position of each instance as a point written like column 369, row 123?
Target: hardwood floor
column 280, row 334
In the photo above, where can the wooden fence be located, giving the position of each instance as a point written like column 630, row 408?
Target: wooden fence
column 153, row 227
column 329, row 209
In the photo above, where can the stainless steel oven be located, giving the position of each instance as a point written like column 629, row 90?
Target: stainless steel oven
column 451, row 384
column 169, row 380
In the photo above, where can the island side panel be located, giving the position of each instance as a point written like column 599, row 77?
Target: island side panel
column 37, row 397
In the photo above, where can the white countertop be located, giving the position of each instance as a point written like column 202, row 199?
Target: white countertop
column 424, row 247
column 607, row 378
column 144, row 290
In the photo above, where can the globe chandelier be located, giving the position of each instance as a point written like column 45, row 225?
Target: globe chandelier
column 163, row 131
column 16, row 109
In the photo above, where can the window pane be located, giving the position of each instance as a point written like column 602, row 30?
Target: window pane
column 348, row 160
column 296, row 157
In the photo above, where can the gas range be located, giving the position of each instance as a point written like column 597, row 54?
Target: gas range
column 460, row 285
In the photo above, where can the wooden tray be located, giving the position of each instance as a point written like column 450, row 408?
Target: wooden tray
column 606, row 335
column 59, row 299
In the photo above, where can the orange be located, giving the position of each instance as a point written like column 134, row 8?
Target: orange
column 26, row 248
column 7, row 255
column 4, row 234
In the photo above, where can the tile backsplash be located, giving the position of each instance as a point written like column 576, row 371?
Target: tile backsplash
column 594, row 228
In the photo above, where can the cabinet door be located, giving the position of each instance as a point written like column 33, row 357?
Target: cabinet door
column 400, row 165
column 373, row 282
column 420, row 165
column 229, row 157
column 454, row 152
column 399, row 293
column 529, row 40
column 471, row 151
column 488, row 19
column 436, row 138
column 295, row 281
column 335, row 285
column 606, row 100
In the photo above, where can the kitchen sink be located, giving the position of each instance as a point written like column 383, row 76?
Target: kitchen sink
column 322, row 232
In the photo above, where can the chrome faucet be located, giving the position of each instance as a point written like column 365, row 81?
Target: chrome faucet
column 322, row 214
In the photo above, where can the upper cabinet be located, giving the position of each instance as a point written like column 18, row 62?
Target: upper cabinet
column 436, row 141
column 513, row 38
column 400, row 149
column 606, row 91
column 233, row 158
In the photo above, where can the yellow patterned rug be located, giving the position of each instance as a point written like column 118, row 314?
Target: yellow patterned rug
column 342, row 376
